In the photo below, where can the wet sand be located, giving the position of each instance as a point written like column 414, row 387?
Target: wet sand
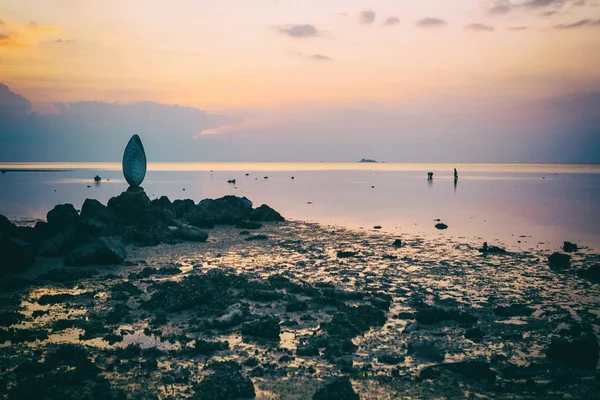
column 347, row 303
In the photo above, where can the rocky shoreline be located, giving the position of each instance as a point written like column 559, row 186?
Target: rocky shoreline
column 182, row 301
column 98, row 234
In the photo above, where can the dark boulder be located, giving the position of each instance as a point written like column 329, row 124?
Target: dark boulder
column 425, row 351
column 397, row 243
column 41, row 232
column 15, row 254
column 476, row 370
column 338, row 389
column 569, row 247
column 430, row 315
column 61, row 242
column 134, row 208
column 390, row 359
column 6, row 227
column 559, row 260
column 62, row 216
column 163, row 202
column 264, row 213
column 514, row 310
column 98, row 218
column 249, row 225
column 492, row 249
column 581, row 352
column 225, row 382
column 592, row 273
column 266, row 327
column 100, row 251
column 227, row 210
column 199, row 218
column 93, row 209
column 191, row 233
column 474, row 334
column 181, row 207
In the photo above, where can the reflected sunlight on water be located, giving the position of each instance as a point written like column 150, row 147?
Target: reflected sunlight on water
column 522, row 205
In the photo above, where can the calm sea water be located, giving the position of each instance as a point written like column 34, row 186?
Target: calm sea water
column 518, row 205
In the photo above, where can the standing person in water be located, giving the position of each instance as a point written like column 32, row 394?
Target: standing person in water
column 455, row 174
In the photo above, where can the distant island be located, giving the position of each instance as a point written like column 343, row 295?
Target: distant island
column 368, row 160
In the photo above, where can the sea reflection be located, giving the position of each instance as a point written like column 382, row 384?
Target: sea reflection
column 549, row 203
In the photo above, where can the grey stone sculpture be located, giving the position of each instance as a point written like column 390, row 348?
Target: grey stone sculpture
column 134, row 162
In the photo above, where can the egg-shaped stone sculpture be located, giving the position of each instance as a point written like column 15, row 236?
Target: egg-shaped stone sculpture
column 134, row 162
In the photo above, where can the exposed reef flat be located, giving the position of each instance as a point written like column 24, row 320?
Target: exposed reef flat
column 288, row 317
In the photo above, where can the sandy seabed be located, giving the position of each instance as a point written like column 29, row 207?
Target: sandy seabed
column 294, row 308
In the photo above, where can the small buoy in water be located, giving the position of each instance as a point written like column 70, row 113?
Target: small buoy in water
column 310, row 202
column 247, row 174
column 266, row 177
column 184, row 189
column 88, row 186
column 97, row 178
column 231, row 181
column 292, row 177
column 372, row 187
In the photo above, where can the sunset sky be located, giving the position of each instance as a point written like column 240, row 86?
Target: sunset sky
column 294, row 67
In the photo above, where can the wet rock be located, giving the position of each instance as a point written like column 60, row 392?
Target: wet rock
column 199, row 218
column 338, row 389
column 474, row 334
column 98, row 218
column 16, row 254
column 514, row 310
column 390, row 359
column 210, row 291
column 60, row 243
column 207, row 348
column 6, row 227
column 191, row 233
column 256, row 237
column 569, row 247
column 513, row 371
column 181, row 207
column 266, row 327
column 9, row 318
column 93, row 209
column 67, row 372
column 346, row 254
column 296, row 305
column 581, row 352
column 134, row 207
column 425, row 351
column 61, row 216
column 101, row 251
column 163, row 202
column 441, row 226
column 227, row 209
column 559, row 260
column 397, row 243
column 477, row 370
column 264, row 213
column 430, row 315
column 353, row 321
column 249, row 225
column 224, row 383
column 592, row 273
column 492, row 249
